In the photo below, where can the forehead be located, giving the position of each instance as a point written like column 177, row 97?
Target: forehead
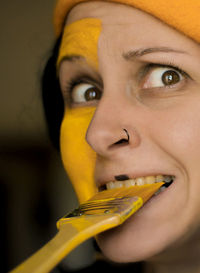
column 111, row 14
column 105, row 11
column 125, row 24
column 126, row 29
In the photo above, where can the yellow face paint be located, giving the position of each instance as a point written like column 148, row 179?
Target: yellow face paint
column 78, row 158
column 81, row 39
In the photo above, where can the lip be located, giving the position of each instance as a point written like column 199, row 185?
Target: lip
column 102, row 181
column 158, row 197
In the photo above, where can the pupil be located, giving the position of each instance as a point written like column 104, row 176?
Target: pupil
column 92, row 94
column 170, row 77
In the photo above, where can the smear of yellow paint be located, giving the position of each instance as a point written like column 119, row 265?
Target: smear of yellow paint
column 81, row 39
column 78, row 158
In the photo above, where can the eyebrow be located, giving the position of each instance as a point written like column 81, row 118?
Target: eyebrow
column 72, row 58
column 134, row 54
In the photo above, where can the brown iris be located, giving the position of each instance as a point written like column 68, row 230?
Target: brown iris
column 92, row 94
column 170, row 77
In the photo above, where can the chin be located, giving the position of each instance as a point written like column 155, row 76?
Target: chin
column 153, row 230
column 130, row 243
column 121, row 246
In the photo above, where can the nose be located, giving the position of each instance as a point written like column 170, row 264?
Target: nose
column 111, row 129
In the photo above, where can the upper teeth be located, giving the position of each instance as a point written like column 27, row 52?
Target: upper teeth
column 139, row 181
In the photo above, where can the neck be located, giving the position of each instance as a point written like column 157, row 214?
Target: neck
column 180, row 259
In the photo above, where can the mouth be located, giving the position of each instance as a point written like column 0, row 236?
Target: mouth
column 140, row 181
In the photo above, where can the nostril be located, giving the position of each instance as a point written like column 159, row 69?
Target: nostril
column 123, row 140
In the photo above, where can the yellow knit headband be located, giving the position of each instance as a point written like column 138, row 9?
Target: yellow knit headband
column 184, row 15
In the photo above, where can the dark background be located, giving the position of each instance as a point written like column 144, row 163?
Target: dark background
column 34, row 189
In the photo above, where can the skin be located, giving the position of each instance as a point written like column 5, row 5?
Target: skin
column 80, row 38
column 163, row 126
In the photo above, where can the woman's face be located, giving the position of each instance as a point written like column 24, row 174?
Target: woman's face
column 147, row 81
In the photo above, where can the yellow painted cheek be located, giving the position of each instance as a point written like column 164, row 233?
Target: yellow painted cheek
column 78, row 158
column 81, row 39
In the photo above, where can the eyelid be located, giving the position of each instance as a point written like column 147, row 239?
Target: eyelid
column 78, row 79
column 144, row 71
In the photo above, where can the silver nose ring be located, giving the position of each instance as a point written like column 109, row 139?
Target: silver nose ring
column 127, row 134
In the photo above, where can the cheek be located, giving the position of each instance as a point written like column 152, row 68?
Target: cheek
column 178, row 134
column 79, row 38
column 77, row 156
column 184, row 133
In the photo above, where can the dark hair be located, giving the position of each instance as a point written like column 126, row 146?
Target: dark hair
column 52, row 97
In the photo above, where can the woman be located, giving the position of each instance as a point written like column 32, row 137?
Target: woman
column 129, row 74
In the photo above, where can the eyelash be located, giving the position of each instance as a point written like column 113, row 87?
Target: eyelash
column 77, row 79
column 171, row 65
column 82, row 78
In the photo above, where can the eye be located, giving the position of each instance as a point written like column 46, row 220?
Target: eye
column 162, row 77
column 84, row 92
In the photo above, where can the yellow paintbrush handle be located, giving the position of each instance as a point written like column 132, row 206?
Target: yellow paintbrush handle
column 72, row 233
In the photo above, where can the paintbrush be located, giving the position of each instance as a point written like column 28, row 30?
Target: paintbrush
column 105, row 210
